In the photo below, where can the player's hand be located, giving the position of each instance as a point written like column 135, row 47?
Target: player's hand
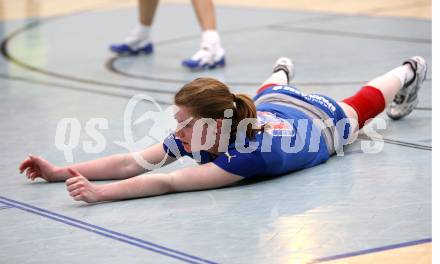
column 35, row 167
column 81, row 189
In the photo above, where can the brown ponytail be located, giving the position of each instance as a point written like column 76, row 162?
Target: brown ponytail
column 245, row 109
column 209, row 98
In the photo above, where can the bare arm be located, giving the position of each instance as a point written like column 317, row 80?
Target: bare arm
column 119, row 166
column 202, row 177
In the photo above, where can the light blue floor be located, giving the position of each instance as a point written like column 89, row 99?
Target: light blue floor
column 60, row 67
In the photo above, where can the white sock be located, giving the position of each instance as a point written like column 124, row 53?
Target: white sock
column 388, row 84
column 279, row 77
column 211, row 38
column 210, row 47
column 404, row 73
column 139, row 36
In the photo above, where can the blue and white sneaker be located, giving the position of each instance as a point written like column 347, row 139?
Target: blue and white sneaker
column 206, row 58
column 137, row 42
column 131, row 50
column 406, row 98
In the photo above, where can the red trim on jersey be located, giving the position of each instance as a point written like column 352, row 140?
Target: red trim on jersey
column 264, row 87
column 368, row 102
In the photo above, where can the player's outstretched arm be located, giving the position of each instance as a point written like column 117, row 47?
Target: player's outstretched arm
column 202, row 177
column 119, row 166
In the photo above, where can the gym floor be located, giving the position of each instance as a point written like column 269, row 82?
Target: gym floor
column 359, row 208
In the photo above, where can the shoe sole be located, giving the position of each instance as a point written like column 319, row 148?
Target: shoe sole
column 417, row 86
column 221, row 63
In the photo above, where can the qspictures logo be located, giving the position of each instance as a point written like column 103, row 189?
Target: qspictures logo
column 295, row 135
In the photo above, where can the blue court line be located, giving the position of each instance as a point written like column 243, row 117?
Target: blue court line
column 373, row 250
column 105, row 232
column 5, row 207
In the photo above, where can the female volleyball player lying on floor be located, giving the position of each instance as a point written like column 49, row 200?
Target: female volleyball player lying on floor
column 245, row 150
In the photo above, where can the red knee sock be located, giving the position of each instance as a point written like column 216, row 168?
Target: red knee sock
column 368, row 102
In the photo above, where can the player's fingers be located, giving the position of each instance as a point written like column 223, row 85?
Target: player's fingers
column 33, row 175
column 78, row 197
column 76, row 192
column 25, row 164
column 28, row 172
column 72, row 180
column 75, row 186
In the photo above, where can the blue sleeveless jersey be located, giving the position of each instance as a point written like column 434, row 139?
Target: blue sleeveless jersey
column 290, row 141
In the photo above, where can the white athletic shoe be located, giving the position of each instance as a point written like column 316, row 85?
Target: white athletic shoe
column 207, row 57
column 286, row 65
column 137, row 42
column 406, row 99
column 211, row 54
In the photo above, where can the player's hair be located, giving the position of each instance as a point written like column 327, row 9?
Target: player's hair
column 209, row 98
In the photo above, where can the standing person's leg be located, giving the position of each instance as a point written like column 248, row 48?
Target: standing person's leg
column 139, row 39
column 396, row 89
column 147, row 10
column 211, row 53
column 205, row 13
